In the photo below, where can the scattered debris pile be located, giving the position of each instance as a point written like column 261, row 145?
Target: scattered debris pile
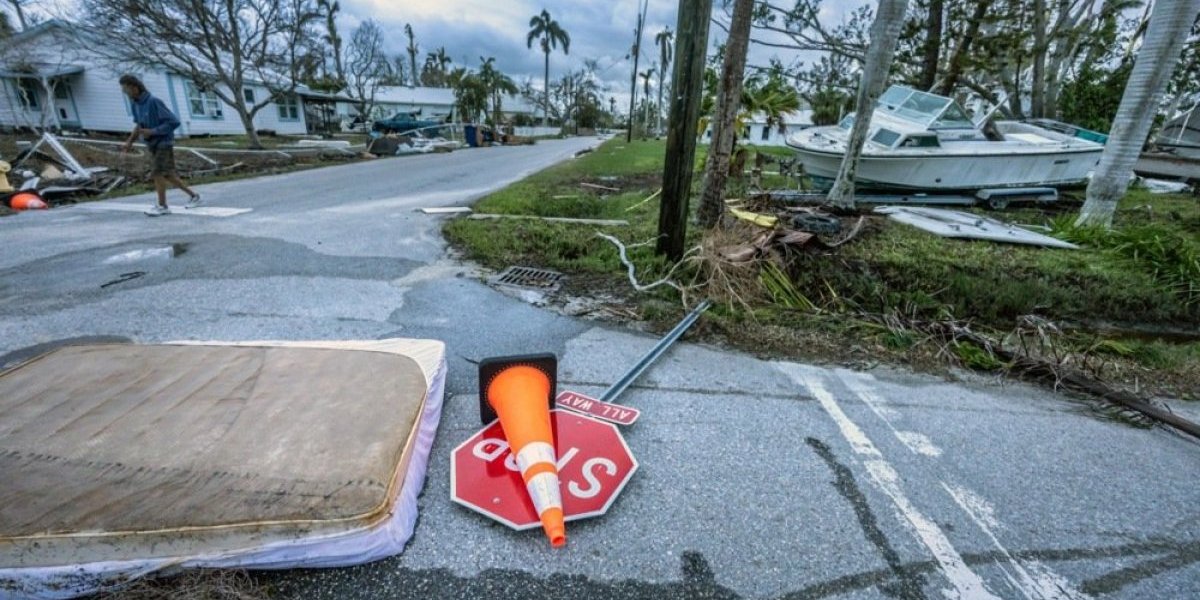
column 46, row 173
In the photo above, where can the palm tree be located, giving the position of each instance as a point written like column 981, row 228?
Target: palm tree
column 1152, row 70
column 549, row 33
column 332, row 38
column 772, row 97
column 646, row 76
column 497, row 84
column 436, row 71
column 664, row 40
column 885, row 31
column 412, row 53
column 470, row 95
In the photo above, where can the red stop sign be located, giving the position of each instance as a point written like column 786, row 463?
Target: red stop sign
column 594, row 463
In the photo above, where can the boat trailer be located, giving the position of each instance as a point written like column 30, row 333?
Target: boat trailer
column 996, row 198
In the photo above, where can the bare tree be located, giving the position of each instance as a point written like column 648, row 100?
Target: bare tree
column 366, row 65
column 884, row 33
column 221, row 45
column 1152, row 70
column 18, row 7
column 729, row 96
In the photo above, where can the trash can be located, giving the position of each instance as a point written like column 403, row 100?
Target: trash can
column 469, row 132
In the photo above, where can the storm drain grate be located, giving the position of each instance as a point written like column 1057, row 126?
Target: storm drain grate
column 529, row 277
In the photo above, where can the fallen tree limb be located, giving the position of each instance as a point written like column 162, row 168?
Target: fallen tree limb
column 1062, row 377
column 603, row 188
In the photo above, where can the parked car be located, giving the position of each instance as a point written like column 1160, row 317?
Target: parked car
column 402, row 123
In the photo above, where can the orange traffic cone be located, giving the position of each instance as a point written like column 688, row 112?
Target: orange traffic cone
column 27, row 201
column 518, row 394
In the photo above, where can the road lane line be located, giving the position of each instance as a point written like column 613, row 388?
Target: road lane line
column 201, row 211
column 968, row 585
column 918, row 443
column 1032, row 579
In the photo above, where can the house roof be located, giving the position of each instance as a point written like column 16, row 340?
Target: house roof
column 310, row 94
column 415, row 95
column 38, row 70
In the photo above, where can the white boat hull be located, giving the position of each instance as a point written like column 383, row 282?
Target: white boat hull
column 950, row 172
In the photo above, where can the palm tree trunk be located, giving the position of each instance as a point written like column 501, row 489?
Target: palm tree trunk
column 884, row 34
column 1152, row 70
column 658, row 116
column 546, row 92
column 729, row 95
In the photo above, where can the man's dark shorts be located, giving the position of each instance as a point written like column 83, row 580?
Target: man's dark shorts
column 162, row 161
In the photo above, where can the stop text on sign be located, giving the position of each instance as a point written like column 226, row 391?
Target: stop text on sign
column 491, row 449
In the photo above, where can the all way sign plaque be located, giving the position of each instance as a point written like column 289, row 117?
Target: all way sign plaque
column 614, row 413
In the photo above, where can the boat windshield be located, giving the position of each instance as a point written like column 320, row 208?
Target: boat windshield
column 924, row 109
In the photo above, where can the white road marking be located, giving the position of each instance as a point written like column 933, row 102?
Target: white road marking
column 200, row 211
column 1034, row 579
column 918, row 443
column 968, row 585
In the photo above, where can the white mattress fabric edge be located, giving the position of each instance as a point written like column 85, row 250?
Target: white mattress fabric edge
column 352, row 547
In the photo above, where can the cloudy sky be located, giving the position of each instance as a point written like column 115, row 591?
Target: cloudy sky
column 599, row 29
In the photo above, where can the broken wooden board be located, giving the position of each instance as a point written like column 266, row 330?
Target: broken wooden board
column 600, row 222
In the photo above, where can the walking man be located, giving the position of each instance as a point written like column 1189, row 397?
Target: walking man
column 156, row 125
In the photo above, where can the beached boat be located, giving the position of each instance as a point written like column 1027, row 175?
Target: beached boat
column 1181, row 136
column 922, row 141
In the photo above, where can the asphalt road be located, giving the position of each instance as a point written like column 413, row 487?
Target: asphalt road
column 758, row 479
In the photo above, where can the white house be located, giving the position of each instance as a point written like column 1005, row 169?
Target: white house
column 49, row 79
column 428, row 103
column 759, row 133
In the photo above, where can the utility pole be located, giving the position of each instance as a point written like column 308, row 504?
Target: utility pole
column 687, row 85
column 637, row 52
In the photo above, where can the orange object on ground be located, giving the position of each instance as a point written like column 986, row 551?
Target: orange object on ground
column 27, row 201
column 518, row 395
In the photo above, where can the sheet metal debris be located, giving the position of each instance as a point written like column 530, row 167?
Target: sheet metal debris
column 957, row 224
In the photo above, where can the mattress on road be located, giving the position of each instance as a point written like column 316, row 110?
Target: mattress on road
column 120, row 460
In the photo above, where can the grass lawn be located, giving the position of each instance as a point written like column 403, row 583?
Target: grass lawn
column 1131, row 298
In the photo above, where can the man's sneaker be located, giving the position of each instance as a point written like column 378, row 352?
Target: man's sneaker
column 158, row 210
column 194, row 202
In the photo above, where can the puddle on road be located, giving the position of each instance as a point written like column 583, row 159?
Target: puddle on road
column 144, row 254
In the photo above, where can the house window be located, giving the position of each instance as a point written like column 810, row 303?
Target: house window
column 248, row 94
column 289, row 108
column 62, row 91
column 202, row 103
column 766, row 134
column 27, row 93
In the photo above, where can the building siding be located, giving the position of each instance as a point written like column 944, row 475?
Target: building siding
column 99, row 104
